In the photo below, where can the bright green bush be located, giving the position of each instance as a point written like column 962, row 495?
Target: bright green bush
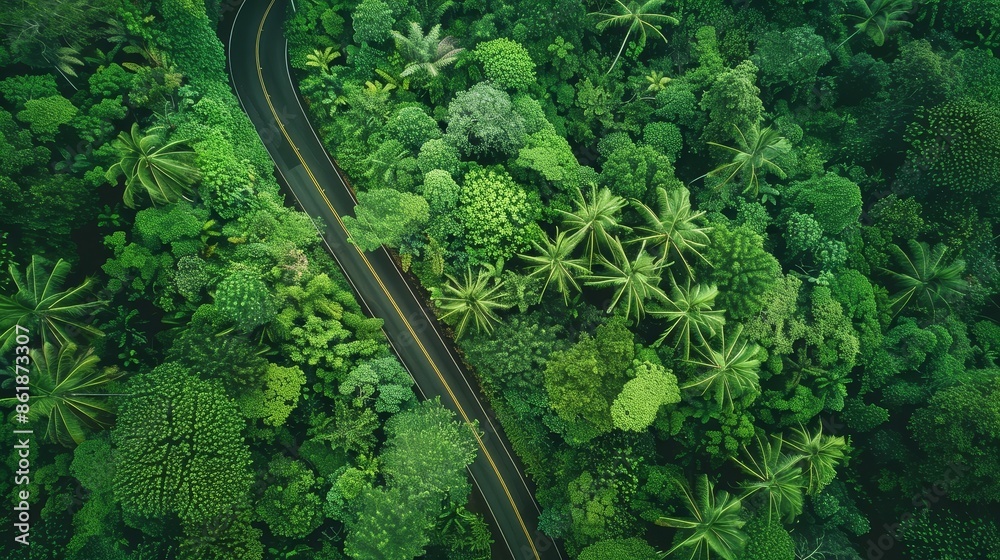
column 506, row 63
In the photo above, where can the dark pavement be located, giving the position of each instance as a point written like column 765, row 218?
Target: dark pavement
column 261, row 75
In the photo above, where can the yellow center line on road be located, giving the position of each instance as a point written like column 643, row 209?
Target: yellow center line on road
column 433, row 364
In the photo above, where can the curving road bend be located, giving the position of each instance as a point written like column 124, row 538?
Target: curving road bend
column 258, row 67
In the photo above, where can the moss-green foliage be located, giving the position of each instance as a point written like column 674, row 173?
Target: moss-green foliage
column 278, row 396
column 506, row 63
column 372, row 21
column 386, row 216
column 496, row 214
column 635, row 171
column 665, row 137
column 189, row 36
column 438, row 154
column 46, row 115
column 834, row 201
column 957, row 429
column 790, row 57
column 635, row 408
column 767, row 540
column 100, row 516
column 957, row 145
column 290, row 506
column 178, row 448
column 935, row 534
column 412, row 127
column 244, row 300
column 977, row 23
column 382, row 381
column 732, row 101
column 743, row 271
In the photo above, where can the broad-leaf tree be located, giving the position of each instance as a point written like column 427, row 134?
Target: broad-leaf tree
column 426, row 54
column 163, row 171
column 179, row 447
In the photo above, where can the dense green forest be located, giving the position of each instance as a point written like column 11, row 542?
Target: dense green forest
column 726, row 270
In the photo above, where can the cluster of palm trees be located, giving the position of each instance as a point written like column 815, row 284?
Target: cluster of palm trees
column 776, row 480
column 671, row 230
column 64, row 379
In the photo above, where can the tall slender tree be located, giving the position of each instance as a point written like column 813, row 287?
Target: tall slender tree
column 634, row 280
column 774, row 475
column 714, row 528
column 673, row 225
column 554, row 260
column 471, row 300
column 322, row 59
column 594, row 220
column 878, row 18
column 66, row 391
column 732, row 369
column 637, row 18
column 42, row 305
column 820, row 455
column 690, row 314
column 426, row 53
column 753, row 156
column 923, row 276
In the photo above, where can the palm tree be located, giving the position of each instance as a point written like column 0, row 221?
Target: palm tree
column 690, row 312
column 637, row 18
column 879, row 18
column 715, row 526
column 63, row 60
column 165, row 172
column 322, row 58
column 820, row 455
column 754, row 155
column 732, row 369
column 41, row 305
column 594, row 220
column 924, row 276
column 426, row 53
column 471, row 300
column 636, row 280
column 555, row 261
column 433, row 10
column 673, row 225
column 776, row 476
column 657, row 81
column 64, row 390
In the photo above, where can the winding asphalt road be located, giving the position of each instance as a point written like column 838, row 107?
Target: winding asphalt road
column 258, row 66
